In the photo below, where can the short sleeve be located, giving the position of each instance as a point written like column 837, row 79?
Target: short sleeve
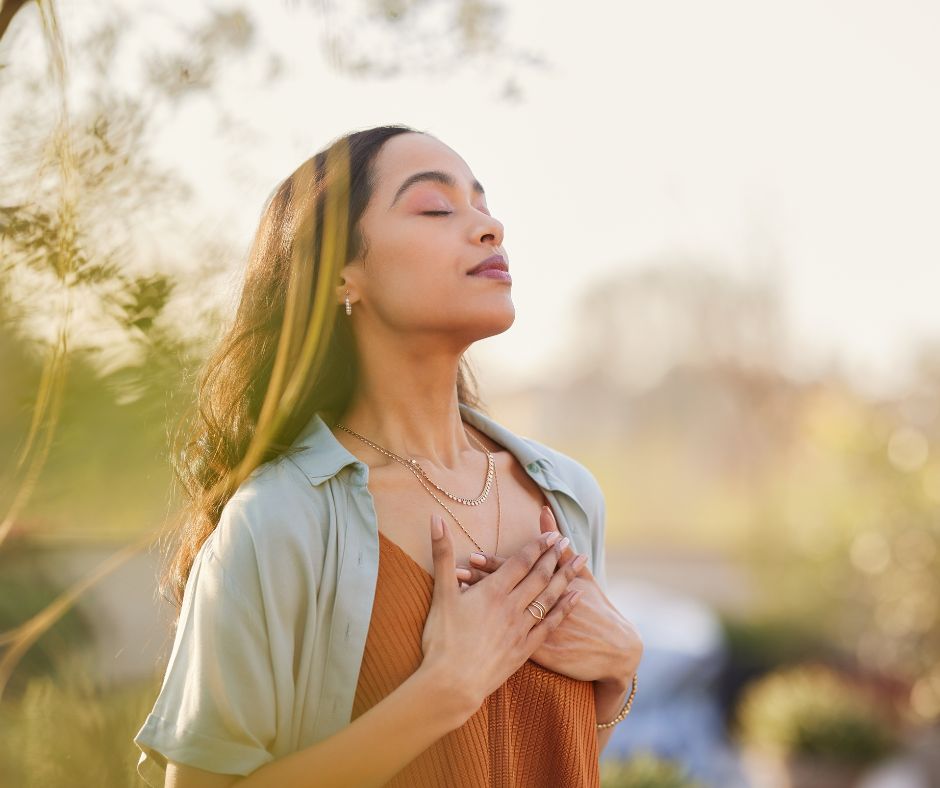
column 216, row 707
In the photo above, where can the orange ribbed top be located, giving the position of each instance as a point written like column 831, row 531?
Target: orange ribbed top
column 537, row 729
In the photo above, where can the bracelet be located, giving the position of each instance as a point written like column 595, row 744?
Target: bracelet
column 623, row 712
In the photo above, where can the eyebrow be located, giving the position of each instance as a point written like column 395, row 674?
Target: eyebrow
column 437, row 176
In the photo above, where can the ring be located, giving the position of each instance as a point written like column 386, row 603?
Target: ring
column 540, row 607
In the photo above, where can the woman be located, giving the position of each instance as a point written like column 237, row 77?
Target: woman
column 315, row 645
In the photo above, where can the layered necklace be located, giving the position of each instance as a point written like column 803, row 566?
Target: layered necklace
column 415, row 467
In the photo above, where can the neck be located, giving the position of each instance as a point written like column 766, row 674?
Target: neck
column 407, row 403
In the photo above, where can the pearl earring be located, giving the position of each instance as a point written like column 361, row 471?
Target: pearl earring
column 348, row 305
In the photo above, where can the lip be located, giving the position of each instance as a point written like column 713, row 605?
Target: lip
column 491, row 266
column 493, row 273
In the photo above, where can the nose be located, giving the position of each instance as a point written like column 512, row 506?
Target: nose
column 490, row 230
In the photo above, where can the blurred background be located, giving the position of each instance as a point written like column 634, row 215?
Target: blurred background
column 721, row 220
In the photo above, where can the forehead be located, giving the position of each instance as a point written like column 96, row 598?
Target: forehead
column 409, row 153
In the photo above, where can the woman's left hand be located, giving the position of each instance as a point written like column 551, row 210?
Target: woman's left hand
column 594, row 642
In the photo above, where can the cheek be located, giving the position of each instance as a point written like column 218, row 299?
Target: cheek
column 414, row 282
column 416, row 268
column 415, row 271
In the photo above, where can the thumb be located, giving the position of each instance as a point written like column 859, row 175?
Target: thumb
column 547, row 520
column 548, row 523
column 442, row 549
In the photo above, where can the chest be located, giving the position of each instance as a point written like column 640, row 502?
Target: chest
column 404, row 507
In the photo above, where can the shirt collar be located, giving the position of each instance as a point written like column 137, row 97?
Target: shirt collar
column 322, row 456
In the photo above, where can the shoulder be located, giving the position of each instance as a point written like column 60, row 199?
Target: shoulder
column 586, row 490
column 570, row 472
column 575, row 474
column 274, row 518
column 277, row 489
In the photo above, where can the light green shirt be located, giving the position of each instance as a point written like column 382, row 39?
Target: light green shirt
column 277, row 606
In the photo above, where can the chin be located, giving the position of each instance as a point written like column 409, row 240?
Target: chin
column 497, row 321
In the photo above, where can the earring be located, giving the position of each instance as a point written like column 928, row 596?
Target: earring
column 348, row 305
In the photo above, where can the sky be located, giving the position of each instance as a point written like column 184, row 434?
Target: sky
column 791, row 141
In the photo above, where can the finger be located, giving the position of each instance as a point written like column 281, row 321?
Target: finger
column 538, row 634
column 486, row 561
column 557, row 575
column 557, row 587
column 471, row 574
column 476, row 572
column 442, row 550
column 538, row 577
column 566, row 572
column 517, row 567
column 547, row 522
column 490, row 563
column 483, row 564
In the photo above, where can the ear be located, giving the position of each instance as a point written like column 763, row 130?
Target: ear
column 341, row 293
column 346, row 284
column 349, row 277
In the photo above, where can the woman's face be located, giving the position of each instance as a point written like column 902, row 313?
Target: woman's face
column 421, row 240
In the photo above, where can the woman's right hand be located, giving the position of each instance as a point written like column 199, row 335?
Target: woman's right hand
column 476, row 638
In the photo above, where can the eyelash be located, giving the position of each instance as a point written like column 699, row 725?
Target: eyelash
column 436, row 213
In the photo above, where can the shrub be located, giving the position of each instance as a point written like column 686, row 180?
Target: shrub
column 65, row 731
column 811, row 710
column 644, row 770
column 24, row 591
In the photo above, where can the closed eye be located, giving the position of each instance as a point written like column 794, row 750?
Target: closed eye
column 435, row 213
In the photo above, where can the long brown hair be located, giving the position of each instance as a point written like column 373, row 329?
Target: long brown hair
column 234, row 384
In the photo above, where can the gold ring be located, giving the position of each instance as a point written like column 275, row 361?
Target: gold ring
column 540, row 608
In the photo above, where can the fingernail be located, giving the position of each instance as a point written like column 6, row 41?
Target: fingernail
column 477, row 558
column 552, row 538
column 563, row 544
column 580, row 561
column 576, row 596
column 464, row 574
column 437, row 527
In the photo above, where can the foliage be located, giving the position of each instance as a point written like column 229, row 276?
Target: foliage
column 107, row 476
column 812, row 710
column 758, row 644
column 765, row 642
column 85, row 206
column 387, row 38
column 64, row 729
column 644, row 770
column 85, row 281
column 24, row 591
column 825, row 496
column 828, row 496
column 849, row 538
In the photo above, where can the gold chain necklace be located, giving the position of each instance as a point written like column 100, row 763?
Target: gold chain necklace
column 416, row 469
column 490, row 475
column 412, row 464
